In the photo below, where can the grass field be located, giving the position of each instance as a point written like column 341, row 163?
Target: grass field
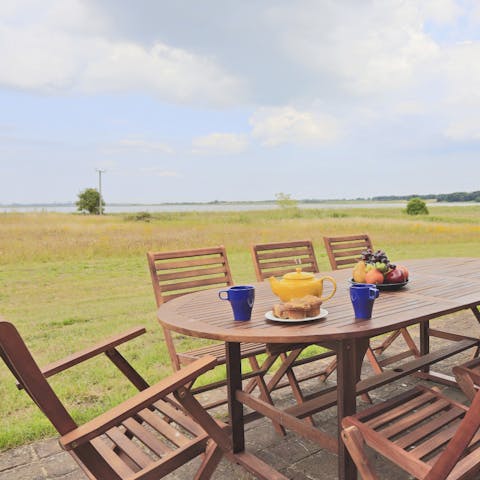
column 67, row 280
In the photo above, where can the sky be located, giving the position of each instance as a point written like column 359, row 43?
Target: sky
column 197, row 101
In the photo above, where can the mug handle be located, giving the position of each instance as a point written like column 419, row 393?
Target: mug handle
column 373, row 293
column 332, row 293
column 220, row 294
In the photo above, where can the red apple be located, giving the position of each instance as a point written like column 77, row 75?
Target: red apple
column 404, row 270
column 395, row 276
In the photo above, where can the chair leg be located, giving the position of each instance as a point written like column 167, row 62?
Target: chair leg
column 331, row 367
column 297, row 392
column 355, row 444
column 373, row 361
column 264, row 392
column 211, row 459
column 379, row 349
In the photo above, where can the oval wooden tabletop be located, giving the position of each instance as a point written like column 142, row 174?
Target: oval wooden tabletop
column 437, row 286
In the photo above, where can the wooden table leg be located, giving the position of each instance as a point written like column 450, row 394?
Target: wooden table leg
column 235, row 408
column 425, row 342
column 350, row 356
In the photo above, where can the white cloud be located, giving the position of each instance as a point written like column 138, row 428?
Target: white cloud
column 367, row 50
column 220, row 144
column 277, row 125
column 47, row 55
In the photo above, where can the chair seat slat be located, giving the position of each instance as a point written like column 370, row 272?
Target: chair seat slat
column 179, row 417
column 117, row 464
column 415, row 418
column 164, row 428
column 128, row 447
column 147, row 437
column 419, row 433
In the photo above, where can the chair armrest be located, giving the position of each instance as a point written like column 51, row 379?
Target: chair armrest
column 81, row 356
column 138, row 402
column 90, row 352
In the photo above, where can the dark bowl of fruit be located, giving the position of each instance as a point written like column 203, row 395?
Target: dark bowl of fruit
column 375, row 268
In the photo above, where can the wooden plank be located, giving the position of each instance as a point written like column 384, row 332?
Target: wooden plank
column 200, row 272
column 193, row 284
column 418, row 434
column 392, row 413
column 163, row 427
column 258, row 467
column 111, row 458
column 414, row 418
column 287, row 253
column 136, row 454
column 179, row 417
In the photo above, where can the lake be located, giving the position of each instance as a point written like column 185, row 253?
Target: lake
column 215, row 207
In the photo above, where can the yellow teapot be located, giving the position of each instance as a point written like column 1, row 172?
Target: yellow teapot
column 298, row 284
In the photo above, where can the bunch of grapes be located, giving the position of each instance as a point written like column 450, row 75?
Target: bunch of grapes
column 378, row 259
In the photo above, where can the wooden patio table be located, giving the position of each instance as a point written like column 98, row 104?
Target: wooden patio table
column 436, row 287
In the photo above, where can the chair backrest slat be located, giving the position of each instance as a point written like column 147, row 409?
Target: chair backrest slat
column 276, row 259
column 345, row 251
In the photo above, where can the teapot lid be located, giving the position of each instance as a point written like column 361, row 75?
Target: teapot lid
column 298, row 275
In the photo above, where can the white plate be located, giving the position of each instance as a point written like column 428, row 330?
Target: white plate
column 270, row 316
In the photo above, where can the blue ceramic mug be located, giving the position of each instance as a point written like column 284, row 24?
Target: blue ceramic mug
column 241, row 298
column 362, row 297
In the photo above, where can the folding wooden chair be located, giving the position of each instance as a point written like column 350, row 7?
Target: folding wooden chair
column 175, row 273
column 468, row 377
column 143, row 438
column 345, row 252
column 422, row 431
column 276, row 259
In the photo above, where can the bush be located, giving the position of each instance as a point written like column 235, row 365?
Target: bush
column 416, row 206
column 140, row 217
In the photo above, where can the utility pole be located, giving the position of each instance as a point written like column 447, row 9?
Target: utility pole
column 100, row 171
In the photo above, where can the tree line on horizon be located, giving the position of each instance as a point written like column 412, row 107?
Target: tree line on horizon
column 439, row 197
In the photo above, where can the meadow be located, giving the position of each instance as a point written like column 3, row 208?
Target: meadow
column 68, row 280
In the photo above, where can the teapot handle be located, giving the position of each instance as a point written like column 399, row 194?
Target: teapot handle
column 332, row 293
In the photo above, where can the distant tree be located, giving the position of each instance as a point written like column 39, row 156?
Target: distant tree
column 285, row 201
column 416, row 206
column 88, row 201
